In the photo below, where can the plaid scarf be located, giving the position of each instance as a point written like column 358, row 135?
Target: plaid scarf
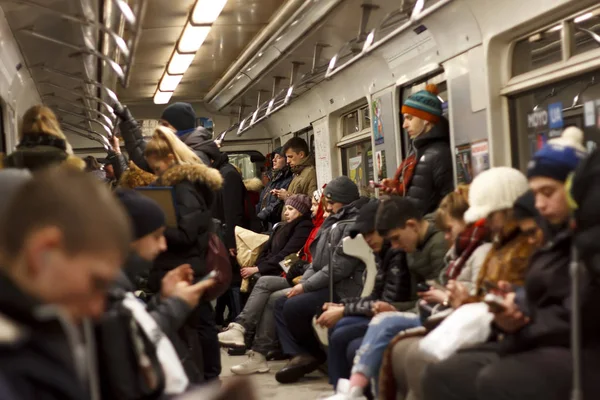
column 404, row 174
column 466, row 243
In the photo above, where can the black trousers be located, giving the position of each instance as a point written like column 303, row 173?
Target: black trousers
column 200, row 335
column 482, row 374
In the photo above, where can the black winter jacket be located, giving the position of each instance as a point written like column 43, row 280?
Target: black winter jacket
column 229, row 205
column 392, row 283
column 433, row 176
column 194, row 186
column 269, row 207
column 119, row 163
column 287, row 239
column 548, row 299
column 135, row 144
column 36, row 357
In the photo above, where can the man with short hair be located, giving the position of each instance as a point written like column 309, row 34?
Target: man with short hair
column 63, row 239
column 302, row 165
column 402, row 224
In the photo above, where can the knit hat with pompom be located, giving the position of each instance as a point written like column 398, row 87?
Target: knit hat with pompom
column 559, row 157
column 424, row 104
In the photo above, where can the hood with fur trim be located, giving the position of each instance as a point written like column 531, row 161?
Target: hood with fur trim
column 193, row 173
column 254, row 185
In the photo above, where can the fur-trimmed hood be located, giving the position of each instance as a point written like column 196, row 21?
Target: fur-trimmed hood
column 193, row 173
column 254, row 185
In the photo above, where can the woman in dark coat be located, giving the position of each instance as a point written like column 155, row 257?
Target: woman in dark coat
column 287, row 238
column 426, row 175
column 194, row 185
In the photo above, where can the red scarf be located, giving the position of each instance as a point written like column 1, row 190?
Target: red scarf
column 466, row 243
column 317, row 222
column 404, row 174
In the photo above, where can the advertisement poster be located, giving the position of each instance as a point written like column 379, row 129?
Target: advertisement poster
column 205, row 122
column 370, row 169
column 356, row 170
column 480, row 157
column 381, row 168
column 377, row 121
column 464, row 167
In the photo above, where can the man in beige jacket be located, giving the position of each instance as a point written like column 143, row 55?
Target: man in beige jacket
column 302, row 165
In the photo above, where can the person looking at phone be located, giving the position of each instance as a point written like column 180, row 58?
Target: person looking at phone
column 304, row 180
column 270, row 206
column 535, row 321
column 194, row 186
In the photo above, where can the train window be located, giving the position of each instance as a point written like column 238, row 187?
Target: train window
column 248, row 163
column 586, row 26
column 543, row 113
column 440, row 81
column 358, row 165
column 537, row 51
column 356, row 121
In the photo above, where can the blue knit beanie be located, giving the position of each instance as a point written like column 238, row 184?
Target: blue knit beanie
column 559, row 157
column 424, row 104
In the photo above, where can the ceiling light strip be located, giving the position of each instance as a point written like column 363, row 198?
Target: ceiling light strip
column 193, row 36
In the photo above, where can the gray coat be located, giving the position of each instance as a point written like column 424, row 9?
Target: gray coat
column 347, row 271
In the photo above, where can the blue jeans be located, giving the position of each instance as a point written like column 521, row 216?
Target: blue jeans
column 344, row 340
column 382, row 329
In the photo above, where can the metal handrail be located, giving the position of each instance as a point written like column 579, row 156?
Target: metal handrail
column 86, row 118
column 134, row 41
column 81, row 93
column 80, row 106
column 88, row 134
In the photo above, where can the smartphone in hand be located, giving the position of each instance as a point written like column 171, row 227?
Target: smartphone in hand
column 211, row 275
column 436, row 285
column 495, row 302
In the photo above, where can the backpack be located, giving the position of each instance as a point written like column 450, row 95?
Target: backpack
column 217, row 259
column 128, row 364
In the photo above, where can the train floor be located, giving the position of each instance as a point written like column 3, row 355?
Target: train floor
column 311, row 387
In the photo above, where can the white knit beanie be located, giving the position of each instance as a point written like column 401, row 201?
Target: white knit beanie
column 494, row 190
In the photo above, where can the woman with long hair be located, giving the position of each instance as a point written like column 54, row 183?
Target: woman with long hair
column 42, row 143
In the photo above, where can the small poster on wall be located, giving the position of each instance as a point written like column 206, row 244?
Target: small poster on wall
column 377, row 121
column 356, row 170
column 480, row 156
column 464, row 167
column 370, row 172
column 381, row 168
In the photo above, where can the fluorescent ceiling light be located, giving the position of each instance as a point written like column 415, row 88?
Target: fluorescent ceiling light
column 555, row 28
column 417, row 10
column 169, row 83
column 192, row 38
column 207, row 11
column 180, row 63
column 584, row 17
column 162, row 97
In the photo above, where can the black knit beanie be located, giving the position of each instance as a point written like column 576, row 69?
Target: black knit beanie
column 342, row 190
column 181, row 115
column 145, row 214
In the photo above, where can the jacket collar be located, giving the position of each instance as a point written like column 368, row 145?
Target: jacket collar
column 192, row 173
column 41, row 139
column 439, row 132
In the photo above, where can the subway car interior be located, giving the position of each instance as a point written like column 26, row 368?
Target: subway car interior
column 506, row 77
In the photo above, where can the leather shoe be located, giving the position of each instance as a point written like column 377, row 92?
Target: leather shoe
column 276, row 355
column 298, row 366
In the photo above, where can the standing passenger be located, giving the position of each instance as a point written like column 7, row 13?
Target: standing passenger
column 42, row 143
column 426, row 175
column 270, row 206
column 302, row 165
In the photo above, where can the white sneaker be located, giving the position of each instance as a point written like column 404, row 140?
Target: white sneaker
column 233, row 336
column 345, row 392
column 256, row 362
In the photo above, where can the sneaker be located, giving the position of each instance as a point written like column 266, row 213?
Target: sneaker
column 256, row 362
column 233, row 336
column 345, row 392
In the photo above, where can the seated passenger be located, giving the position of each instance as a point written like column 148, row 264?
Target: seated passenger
column 507, row 257
column 287, row 239
column 177, row 298
column 194, row 185
column 270, row 207
column 349, row 320
column 426, row 175
column 534, row 360
column 58, row 257
column 529, row 219
column 258, row 315
column 319, row 214
column 294, row 312
column 42, row 143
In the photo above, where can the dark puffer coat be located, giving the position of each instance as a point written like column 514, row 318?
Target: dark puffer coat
column 433, row 176
column 194, row 187
column 287, row 239
column 269, row 206
column 392, row 283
